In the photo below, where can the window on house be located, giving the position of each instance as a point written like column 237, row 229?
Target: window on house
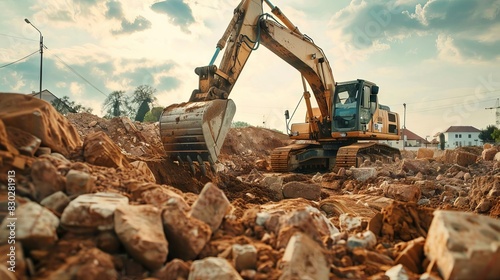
column 456, row 135
column 470, row 136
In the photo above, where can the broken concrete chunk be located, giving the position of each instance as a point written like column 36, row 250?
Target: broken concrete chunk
column 35, row 227
column 211, row 206
column 56, row 202
column 304, row 259
column 99, row 149
column 301, row 190
column 78, row 182
column 464, row 245
column 91, row 212
column 244, row 256
column 363, row 173
column 39, row 118
column 186, row 235
column 140, row 229
column 349, row 222
column 46, row 178
column 213, row 268
column 366, row 239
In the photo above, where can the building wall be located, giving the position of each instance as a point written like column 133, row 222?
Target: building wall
column 461, row 139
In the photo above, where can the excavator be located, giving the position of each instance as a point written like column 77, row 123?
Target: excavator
column 343, row 130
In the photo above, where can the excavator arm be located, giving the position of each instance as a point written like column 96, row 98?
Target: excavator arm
column 195, row 131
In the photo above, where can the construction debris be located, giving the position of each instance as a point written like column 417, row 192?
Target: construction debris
column 97, row 199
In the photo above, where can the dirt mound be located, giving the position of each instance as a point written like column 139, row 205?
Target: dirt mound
column 241, row 219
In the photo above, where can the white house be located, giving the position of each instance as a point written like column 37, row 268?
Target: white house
column 460, row 136
column 407, row 138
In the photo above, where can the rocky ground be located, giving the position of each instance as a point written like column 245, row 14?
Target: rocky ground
column 97, row 199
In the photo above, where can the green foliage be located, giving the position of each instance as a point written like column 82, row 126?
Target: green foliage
column 486, row 134
column 64, row 105
column 142, row 97
column 239, row 124
column 153, row 115
column 141, row 112
column 441, row 141
column 496, row 135
column 117, row 104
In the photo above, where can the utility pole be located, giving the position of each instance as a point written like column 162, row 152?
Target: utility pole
column 497, row 112
column 41, row 54
column 404, row 126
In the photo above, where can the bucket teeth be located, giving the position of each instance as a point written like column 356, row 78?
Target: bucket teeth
column 195, row 131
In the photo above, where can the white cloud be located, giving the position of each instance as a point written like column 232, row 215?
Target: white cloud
column 447, row 50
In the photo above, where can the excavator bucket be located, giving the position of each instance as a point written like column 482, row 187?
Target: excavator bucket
column 195, row 131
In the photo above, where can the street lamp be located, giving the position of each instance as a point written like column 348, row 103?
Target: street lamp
column 41, row 54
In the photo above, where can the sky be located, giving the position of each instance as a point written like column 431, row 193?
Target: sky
column 439, row 57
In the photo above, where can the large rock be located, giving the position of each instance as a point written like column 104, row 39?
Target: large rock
column 5, row 143
column 464, row 245
column 299, row 189
column 35, row 227
column 244, row 256
column 465, row 158
column 24, row 142
column 363, row 173
column 303, row 259
column 140, row 229
column 213, row 268
column 186, row 235
column 99, row 149
column 78, row 182
column 425, row 153
column 309, row 221
column 160, row 196
column 56, row 202
column 46, row 178
column 489, row 154
column 211, row 206
column 401, row 192
column 414, row 166
column 175, row 269
column 91, row 212
column 39, row 118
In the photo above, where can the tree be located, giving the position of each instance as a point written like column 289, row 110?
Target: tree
column 496, row 135
column 153, row 115
column 142, row 97
column 64, row 105
column 486, row 134
column 239, row 124
column 117, row 104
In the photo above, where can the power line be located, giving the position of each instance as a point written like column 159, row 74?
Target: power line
column 17, row 37
column 8, row 64
column 78, row 74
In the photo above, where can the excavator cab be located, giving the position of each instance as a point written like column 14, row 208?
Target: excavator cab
column 355, row 103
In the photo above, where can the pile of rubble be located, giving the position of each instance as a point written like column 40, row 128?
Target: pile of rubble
column 95, row 199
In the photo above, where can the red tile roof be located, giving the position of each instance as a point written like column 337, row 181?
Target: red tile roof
column 411, row 136
column 462, row 129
